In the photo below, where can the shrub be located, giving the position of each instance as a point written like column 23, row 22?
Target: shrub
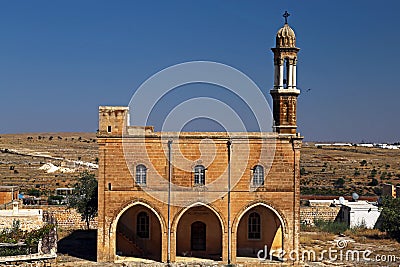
column 339, row 183
column 373, row 182
column 34, row 192
column 333, row 227
column 390, row 216
column 30, row 239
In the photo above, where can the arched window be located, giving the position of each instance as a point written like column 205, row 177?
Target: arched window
column 254, row 226
column 141, row 173
column 258, row 175
column 142, row 225
column 199, row 175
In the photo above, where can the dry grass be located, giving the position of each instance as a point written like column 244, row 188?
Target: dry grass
column 358, row 239
column 362, row 234
column 322, row 166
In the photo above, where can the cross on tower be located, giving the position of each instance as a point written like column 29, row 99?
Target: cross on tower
column 286, row 15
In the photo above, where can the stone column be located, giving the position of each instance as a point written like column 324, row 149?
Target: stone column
column 294, row 82
column 281, row 73
column 290, row 74
column 276, row 75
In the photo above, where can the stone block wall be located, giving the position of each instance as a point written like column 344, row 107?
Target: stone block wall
column 309, row 214
column 66, row 218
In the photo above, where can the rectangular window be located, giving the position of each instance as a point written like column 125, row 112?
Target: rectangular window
column 142, row 225
column 254, row 226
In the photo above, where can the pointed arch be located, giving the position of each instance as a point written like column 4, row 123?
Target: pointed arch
column 182, row 211
column 115, row 228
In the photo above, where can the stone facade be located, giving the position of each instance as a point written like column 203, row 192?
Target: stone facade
column 118, row 192
column 164, row 195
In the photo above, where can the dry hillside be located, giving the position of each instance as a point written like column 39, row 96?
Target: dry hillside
column 325, row 171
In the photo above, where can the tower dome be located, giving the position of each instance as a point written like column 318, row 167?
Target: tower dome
column 285, row 37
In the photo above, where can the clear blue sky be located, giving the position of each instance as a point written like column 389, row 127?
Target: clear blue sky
column 60, row 60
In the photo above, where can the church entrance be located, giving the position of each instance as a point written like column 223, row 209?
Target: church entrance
column 139, row 234
column 199, row 234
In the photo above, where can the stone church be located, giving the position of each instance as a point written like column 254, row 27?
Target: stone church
column 226, row 207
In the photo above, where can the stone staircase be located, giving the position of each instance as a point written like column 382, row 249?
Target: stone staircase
column 128, row 236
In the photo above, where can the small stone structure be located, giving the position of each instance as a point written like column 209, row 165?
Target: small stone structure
column 354, row 213
column 8, row 194
column 389, row 190
column 29, row 219
column 359, row 214
column 309, row 214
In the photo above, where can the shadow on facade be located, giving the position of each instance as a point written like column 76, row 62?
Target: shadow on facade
column 80, row 244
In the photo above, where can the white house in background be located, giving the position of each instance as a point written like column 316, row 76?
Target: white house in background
column 317, row 145
column 359, row 213
column 342, row 144
column 365, row 145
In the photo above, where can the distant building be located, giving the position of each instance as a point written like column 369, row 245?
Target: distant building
column 64, row 191
column 8, row 194
column 388, row 190
column 359, row 214
column 365, row 145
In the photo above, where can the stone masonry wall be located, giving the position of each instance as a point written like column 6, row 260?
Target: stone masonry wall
column 309, row 214
column 26, row 223
column 67, row 218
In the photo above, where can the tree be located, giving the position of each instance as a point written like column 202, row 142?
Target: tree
column 390, row 216
column 84, row 198
column 339, row 183
column 373, row 182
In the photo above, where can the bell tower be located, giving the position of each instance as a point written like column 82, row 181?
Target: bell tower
column 284, row 94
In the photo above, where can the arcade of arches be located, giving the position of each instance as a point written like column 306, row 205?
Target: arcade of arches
column 199, row 233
